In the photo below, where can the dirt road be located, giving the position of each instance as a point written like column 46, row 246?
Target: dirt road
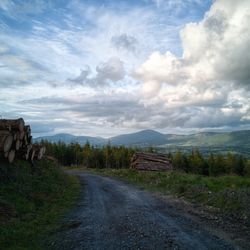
column 114, row 215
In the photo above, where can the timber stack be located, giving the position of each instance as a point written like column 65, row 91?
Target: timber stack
column 16, row 141
column 151, row 162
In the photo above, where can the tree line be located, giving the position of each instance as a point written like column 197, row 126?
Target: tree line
column 109, row 156
column 90, row 156
column 211, row 165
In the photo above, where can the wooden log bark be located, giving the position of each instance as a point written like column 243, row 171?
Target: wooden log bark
column 6, row 140
column 3, row 135
column 27, row 130
column 150, row 156
column 16, row 141
column 25, row 152
column 21, row 135
column 11, row 156
column 18, row 135
column 32, row 154
column 44, row 150
column 17, row 124
column 30, row 140
column 39, row 156
column 150, row 161
column 39, row 152
column 25, row 140
column 6, row 154
column 17, row 144
column 164, row 161
column 27, row 155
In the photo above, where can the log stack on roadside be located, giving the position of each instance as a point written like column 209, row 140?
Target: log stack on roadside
column 150, row 162
column 16, row 141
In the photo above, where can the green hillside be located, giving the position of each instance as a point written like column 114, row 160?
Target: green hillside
column 237, row 138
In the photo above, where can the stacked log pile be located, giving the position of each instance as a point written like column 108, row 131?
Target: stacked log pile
column 16, row 141
column 150, row 161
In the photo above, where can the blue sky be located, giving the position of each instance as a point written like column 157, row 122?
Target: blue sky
column 110, row 67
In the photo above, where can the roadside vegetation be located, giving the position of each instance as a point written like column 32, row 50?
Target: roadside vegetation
column 33, row 200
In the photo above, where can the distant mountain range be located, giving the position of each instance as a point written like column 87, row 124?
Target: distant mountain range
column 153, row 138
column 68, row 138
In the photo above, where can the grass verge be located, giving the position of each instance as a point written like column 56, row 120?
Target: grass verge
column 230, row 195
column 33, row 200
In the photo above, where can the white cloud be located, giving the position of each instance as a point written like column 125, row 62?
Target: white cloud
column 3, row 49
column 111, row 71
column 63, row 50
column 177, row 3
column 19, row 9
column 18, row 71
column 213, row 49
column 217, row 45
column 214, row 63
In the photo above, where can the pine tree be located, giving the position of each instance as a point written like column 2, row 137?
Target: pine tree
column 239, row 166
column 177, row 160
column 231, row 162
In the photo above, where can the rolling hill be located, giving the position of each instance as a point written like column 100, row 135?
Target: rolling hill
column 68, row 138
column 141, row 138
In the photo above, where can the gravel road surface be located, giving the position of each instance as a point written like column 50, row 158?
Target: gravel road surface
column 112, row 214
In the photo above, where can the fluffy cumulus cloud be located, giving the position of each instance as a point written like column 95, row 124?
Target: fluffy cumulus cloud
column 215, row 62
column 214, row 49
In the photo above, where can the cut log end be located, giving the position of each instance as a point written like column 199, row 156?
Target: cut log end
column 16, row 141
column 8, row 143
column 33, row 152
column 6, row 154
column 11, row 156
column 18, row 144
